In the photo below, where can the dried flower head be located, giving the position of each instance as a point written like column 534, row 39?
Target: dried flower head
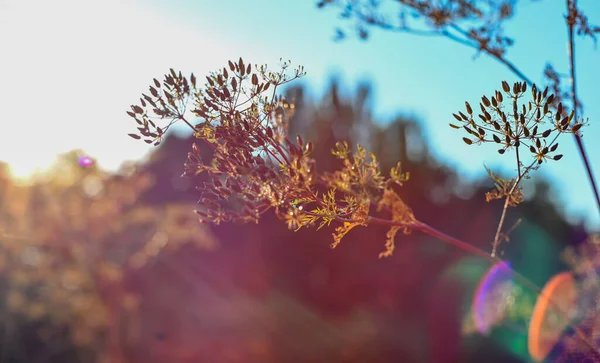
column 534, row 125
column 255, row 167
column 527, row 128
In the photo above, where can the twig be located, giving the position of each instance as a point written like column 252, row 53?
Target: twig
column 571, row 8
column 488, row 51
column 499, row 229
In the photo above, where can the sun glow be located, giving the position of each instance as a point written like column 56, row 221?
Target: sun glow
column 71, row 68
column 26, row 168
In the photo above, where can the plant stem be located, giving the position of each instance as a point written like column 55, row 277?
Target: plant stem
column 572, row 9
column 509, row 196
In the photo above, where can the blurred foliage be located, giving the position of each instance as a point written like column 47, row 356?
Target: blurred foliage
column 68, row 241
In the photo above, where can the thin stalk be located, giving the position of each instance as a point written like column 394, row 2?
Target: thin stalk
column 571, row 9
column 509, row 196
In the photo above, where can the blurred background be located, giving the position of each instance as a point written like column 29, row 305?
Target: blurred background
column 103, row 260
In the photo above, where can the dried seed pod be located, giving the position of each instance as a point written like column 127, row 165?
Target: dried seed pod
column 485, row 101
column 469, row 109
column 309, row 147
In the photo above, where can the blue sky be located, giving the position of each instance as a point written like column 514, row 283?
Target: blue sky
column 101, row 55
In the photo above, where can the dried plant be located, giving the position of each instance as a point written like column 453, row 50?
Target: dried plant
column 255, row 167
column 527, row 128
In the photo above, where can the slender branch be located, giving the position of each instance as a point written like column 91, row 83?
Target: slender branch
column 571, row 8
column 488, row 51
column 515, row 225
column 501, row 222
column 427, row 229
column 506, row 202
column 181, row 117
column 474, row 43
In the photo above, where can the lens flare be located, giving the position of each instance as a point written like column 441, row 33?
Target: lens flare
column 492, row 297
column 85, row 161
column 547, row 324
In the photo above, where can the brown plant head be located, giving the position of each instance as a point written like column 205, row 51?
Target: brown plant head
column 254, row 166
column 528, row 128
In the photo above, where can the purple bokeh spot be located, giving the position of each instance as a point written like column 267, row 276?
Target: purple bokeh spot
column 85, row 161
column 488, row 303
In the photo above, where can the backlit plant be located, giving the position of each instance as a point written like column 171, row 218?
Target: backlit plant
column 255, row 167
column 528, row 128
